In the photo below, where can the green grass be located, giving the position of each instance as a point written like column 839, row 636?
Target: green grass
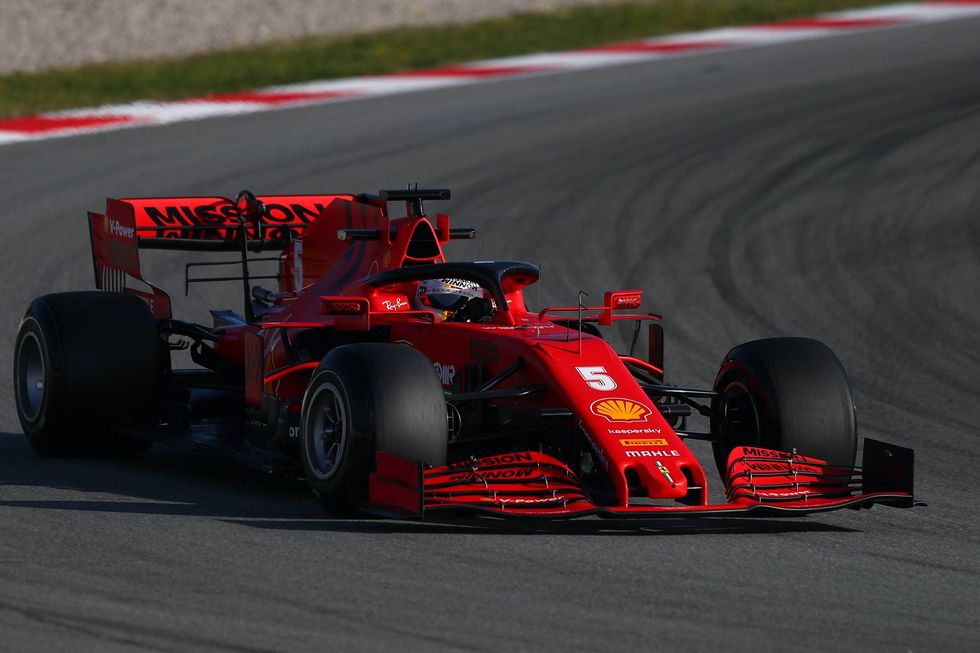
column 397, row 49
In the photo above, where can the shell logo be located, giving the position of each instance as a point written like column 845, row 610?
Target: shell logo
column 620, row 410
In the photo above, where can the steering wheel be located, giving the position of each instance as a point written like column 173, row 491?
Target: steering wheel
column 472, row 309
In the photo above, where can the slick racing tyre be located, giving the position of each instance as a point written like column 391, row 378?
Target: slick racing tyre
column 784, row 394
column 366, row 397
column 86, row 363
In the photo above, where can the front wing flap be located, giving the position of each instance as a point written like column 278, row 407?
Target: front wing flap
column 761, row 482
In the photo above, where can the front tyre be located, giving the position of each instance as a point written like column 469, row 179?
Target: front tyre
column 784, row 394
column 365, row 397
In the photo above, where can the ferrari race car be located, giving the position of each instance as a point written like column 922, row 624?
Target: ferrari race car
column 401, row 384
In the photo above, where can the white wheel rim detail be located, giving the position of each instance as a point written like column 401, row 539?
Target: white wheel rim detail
column 325, row 431
column 31, row 379
column 742, row 415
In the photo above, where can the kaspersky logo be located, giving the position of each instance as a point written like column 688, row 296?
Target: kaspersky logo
column 620, row 410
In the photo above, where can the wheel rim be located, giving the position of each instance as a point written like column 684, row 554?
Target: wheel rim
column 741, row 415
column 326, row 431
column 31, row 379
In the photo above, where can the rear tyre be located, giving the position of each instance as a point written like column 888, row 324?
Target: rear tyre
column 86, row 363
column 784, row 394
column 366, row 397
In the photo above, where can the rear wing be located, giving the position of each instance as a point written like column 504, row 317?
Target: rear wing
column 214, row 223
column 190, row 224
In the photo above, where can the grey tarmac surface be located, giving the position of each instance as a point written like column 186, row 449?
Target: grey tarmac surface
column 827, row 189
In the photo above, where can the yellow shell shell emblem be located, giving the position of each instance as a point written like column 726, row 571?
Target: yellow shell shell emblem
column 621, row 410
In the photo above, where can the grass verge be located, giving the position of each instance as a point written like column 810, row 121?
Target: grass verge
column 380, row 52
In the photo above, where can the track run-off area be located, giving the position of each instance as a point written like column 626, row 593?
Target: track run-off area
column 56, row 124
column 827, row 188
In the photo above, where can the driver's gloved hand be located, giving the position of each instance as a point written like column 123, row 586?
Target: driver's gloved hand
column 476, row 309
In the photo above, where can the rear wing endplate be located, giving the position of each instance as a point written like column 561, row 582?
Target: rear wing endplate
column 115, row 257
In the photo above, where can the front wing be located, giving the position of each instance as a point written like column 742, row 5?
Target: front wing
column 761, row 483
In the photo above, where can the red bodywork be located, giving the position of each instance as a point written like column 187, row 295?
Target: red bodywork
column 333, row 246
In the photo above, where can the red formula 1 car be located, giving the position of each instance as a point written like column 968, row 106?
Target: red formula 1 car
column 402, row 384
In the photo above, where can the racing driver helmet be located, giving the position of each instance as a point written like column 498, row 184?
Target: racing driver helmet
column 443, row 297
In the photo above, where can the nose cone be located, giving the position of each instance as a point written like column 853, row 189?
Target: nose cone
column 660, row 475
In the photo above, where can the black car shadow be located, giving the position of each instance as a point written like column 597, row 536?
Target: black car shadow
column 161, row 482
column 170, row 482
column 583, row 526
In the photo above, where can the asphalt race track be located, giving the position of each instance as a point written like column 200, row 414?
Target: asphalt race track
column 828, row 189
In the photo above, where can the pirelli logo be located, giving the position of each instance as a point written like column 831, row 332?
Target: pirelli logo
column 649, row 442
